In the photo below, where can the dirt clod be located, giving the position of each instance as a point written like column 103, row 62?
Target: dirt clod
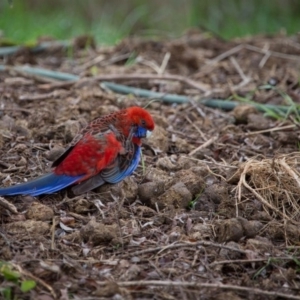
column 97, row 233
column 39, row 212
column 231, row 254
column 257, row 122
column 242, row 112
column 129, row 189
column 159, row 139
column 250, row 228
column 177, row 196
column 150, row 190
column 166, row 164
column 260, row 244
column 31, row 227
column 192, row 181
column 229, row 230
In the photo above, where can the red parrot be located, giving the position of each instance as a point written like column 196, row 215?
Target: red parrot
column 106, row 150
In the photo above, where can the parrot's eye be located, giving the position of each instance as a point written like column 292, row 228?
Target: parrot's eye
column 143, row 122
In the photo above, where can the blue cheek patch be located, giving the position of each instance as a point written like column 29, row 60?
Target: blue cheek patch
column 141, row 132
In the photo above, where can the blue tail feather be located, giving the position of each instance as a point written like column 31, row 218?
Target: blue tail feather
column 46, row 184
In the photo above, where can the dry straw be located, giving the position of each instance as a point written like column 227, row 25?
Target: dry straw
column 274, row 182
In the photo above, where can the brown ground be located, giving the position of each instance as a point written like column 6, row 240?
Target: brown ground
column 214, row 211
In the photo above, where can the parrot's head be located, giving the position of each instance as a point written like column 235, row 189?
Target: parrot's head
column 141, row 120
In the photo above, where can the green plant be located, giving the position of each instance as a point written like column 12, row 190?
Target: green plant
column 270, row 261
column 274, row 112
column 193, row 202
column 111, row 21
column 14, row 278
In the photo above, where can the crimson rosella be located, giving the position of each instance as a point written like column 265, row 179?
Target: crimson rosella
column 107, row 150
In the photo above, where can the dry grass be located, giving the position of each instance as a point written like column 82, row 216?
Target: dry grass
column 275, row 183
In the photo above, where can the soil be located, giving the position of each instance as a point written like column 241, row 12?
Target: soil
column 212, row 213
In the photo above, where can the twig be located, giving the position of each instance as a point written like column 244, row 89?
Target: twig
column 273, row 53
column 100, row 60
column 253, row 48
column 17, row 109
column 201, row 285
column 204, row 145
column 289, row 170
column 239, row 69
column 245, row 261
column 179, row 245
column 54, row 219
column 8, row 205
column 215, row 174
column 164, row 63
column 210, row 162
column 148, row 63
column 196, row 127
column 227, row 53
column 270, row 130
column 264, row 59
column 40, row 281
column 29, row 97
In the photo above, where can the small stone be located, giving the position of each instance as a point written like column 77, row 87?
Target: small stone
column 145, row 211
column 202, row 232
column 166, row 164
column 135, row 259
column 54, row 153
column 7, row 122
column 20, row 147
column 241, row 113
column 82, row 206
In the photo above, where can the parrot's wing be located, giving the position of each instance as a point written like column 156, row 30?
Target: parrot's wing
column 122, row 167
column 99, row 134
column 88, row 185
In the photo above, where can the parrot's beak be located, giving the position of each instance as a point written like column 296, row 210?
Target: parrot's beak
column 148, row 133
